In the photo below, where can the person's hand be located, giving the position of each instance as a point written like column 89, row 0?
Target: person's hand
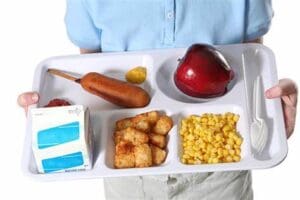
column 287, row 91
column 26, row 99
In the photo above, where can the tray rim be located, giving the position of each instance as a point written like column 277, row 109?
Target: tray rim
column 260, row 164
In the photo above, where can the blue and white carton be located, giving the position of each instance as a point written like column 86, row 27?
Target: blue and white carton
column 62, row 138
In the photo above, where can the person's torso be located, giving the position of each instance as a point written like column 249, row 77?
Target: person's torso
column 149, row 24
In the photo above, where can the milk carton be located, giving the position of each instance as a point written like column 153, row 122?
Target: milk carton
column 62, row 138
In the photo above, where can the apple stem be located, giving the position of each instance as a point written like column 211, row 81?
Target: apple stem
column 179, row 59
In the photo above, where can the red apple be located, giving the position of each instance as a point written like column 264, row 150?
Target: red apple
column 203, row 72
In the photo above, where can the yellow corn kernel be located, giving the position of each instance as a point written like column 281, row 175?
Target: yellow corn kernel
column 209, row 147
column 239, row 141
column 185, row 156
column 214, row 155
column 196, row 148
column 205, row 157
column 214, row 150
column 204, row 120
column 190, row 137
column 225, row 152
column 215, row 160
column 230, row 141
column 190, row 161
column 229, row 159
column 236, row 158
column 220, row 152
column 236, row 118
column 238, row 152
column 231, row 134
column 219, row 137
column 231, row 152
column 209, row 138
column 217, row 144
column 227, row 146
column 197, row 162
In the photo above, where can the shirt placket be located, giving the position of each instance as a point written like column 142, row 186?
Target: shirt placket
column 169, row 22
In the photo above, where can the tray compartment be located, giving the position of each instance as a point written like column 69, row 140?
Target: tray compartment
column 115, row 66
column 109, row 129
column 218, row 109
column 165, row 82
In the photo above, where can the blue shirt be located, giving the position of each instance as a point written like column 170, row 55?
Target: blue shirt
column 125, row 25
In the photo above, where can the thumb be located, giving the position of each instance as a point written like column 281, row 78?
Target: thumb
column 284, row 87
column 28, row 98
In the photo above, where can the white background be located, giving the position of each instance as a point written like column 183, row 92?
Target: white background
column 32, row 30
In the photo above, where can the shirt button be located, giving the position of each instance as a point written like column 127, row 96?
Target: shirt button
column 170, row 15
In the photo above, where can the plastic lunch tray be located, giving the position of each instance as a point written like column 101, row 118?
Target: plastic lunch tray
column 161, row 65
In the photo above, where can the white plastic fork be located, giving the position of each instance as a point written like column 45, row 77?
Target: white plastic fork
column 259, row 128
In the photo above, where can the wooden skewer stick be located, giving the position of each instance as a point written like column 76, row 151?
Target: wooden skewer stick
column 64, row 75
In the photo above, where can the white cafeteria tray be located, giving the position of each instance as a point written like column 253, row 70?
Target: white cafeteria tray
column 161, row 65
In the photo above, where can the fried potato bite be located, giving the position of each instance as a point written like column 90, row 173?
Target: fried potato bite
column 140, row 123
column 158, row 140
column 163, row 125
column 152, row 116
column 158, row 155
column 124, row 123
column 124, row 155
column 143, row 155
column 134, row 136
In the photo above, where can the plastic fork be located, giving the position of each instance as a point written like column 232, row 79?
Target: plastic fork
column 259, row 128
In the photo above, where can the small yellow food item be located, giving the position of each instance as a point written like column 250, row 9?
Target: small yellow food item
column 210, row 138
column 136, row 75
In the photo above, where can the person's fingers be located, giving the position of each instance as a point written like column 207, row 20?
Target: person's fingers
column 289, row 113
column 290, row 100
column 28, row 98
column 287, row 91
column 284, row 87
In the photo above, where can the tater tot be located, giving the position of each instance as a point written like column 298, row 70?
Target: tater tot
column 124, row 160
column 124, row 123
column 124, row 155
column 124, row 147
column 151, row 116
column 141, row 123
column 143, row 155
column 163, row 125
column 158, row 155
column 134, row 136
column 158, row 140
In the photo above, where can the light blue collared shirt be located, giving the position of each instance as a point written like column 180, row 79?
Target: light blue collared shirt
column 126, row 25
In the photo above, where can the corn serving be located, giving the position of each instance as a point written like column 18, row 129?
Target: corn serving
column 210, row 138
